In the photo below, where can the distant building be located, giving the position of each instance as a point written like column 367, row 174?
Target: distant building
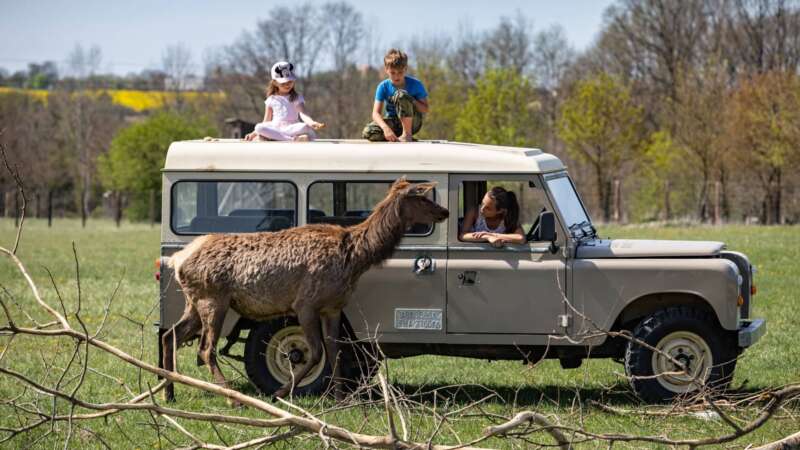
column 238, row 128
column 187, row 83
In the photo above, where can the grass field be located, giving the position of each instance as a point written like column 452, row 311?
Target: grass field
column 109, row 255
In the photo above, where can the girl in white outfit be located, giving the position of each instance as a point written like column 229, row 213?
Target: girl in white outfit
column 285, row 109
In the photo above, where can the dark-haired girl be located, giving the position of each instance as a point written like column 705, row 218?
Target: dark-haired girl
column 496, row 221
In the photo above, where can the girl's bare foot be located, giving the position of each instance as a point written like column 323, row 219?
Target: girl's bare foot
column 301, row 138
column 404, row 138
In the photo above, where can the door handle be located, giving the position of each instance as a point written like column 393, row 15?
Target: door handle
column 424, row 265
column 468, row 277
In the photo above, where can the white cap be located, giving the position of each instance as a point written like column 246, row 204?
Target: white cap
column 283, row 72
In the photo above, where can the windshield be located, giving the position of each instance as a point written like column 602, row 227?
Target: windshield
column 568, row 203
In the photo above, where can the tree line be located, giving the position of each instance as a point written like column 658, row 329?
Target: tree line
column 678, row 111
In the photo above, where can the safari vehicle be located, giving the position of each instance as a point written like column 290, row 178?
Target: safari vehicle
column 565, row 293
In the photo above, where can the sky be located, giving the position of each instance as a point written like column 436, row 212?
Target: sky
column 133, row 35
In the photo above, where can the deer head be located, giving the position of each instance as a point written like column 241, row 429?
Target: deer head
column 415, row 207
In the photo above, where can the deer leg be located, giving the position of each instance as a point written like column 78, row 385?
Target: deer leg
column 212, row 313
column 310, row 323
column 183, row 330
column 332, row 324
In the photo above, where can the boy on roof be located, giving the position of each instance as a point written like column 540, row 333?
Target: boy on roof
column 405, row 99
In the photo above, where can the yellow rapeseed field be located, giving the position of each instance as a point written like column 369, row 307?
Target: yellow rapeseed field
column 133, row 99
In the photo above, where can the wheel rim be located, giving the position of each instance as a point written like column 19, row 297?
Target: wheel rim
column 689, row 349
column 287, row 352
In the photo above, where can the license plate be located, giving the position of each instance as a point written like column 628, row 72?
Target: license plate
column 417, row 319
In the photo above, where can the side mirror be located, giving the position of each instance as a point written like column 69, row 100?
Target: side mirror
column 547, row 229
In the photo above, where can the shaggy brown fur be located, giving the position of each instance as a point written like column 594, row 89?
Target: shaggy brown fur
column 308, row 271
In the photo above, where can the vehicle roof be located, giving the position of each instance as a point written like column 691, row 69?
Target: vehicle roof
column 355, row 156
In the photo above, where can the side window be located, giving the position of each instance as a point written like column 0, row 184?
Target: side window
column 530, row 201
column 348, row 203
column 200, row 207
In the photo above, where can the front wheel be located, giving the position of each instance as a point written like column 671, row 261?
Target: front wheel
column 688, row 336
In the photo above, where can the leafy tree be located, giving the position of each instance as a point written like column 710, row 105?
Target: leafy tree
column 137, row 154
column 447, row 95
column 601, row 126
column 693, row 117
column 503, row 109
column 764, row 128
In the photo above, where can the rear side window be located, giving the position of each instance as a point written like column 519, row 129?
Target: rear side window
column 348, row 203
column 200, row 207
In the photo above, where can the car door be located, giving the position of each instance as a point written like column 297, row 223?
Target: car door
column 517, row 289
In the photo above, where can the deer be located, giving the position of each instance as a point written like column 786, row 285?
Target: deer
column 308, row 271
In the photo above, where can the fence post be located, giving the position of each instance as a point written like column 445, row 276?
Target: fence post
column 118, row 207
column 717, row 210
column 7, row 201
column 83, row 207
column 152, row 207
column 49, row 208
column 16, row 209
column 617, row 201
column 667, row 207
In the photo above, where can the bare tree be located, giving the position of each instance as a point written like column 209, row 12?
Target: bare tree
column 176, row 62
column 291, row 34
column 764, row 35
column 345, row 29
column 662, row 36
column 83, row 64
column 294, row 35
column 468, row 58
column 552, row 55
column 509, row 45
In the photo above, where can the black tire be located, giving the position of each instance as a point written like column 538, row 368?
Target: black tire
column 360, row 360
column 687, row 334
column 265, row 339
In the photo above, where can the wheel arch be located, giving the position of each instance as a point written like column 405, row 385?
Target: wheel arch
column 647, row 304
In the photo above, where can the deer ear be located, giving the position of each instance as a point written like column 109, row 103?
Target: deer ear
column 423, row 188
column 400, row 184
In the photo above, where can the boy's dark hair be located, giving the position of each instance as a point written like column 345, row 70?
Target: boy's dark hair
column 272, row 89
column 507, row 200
column 395, row 59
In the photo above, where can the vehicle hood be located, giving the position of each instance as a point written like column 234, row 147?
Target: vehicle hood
column 641, row 248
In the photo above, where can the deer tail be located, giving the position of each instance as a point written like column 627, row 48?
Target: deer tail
column 176, row 260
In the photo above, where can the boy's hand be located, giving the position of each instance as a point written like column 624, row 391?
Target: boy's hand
column 389, row 135
column 317, row 125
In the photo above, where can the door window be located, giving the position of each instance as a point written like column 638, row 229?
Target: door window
column 531, row 201
column 351, row 202
column 200, row 207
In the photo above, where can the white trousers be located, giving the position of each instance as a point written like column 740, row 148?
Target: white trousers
column 284, row 131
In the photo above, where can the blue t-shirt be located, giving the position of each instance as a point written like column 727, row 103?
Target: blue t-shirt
column 386, row 89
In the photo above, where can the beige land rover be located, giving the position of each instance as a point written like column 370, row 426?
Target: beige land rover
column 565, row 293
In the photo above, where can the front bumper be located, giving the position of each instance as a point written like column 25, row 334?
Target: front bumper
column 751, row 331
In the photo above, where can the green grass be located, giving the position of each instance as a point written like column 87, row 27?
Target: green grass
column 109, row 256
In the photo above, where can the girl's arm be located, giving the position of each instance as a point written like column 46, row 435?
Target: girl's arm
column 517, row 237
column 466, row 230
column 301, row 108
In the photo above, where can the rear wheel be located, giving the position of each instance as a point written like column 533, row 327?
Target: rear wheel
column 275, row 350
column 688, row 336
